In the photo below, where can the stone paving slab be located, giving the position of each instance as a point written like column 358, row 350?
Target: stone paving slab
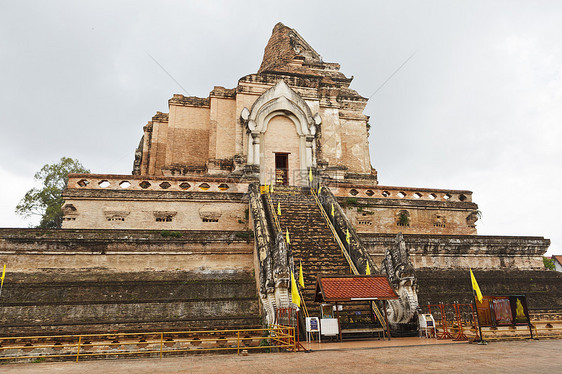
column 542, row 356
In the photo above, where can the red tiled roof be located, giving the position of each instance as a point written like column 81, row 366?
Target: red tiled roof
column 348, row 288
column 557, row 258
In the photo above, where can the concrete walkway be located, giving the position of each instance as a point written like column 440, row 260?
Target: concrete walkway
column 371, row 344
column 542, row 356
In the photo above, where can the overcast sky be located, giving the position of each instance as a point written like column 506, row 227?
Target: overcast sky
column 478, row 106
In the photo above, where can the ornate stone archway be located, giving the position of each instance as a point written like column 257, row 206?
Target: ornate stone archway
column 282, row 101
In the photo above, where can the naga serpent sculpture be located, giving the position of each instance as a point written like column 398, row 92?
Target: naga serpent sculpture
column 400, row 272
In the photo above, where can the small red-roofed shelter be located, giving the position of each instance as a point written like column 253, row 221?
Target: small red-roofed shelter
column 342, row 288
column 338, row 289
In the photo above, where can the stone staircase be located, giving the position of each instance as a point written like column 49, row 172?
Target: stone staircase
column 311, row 240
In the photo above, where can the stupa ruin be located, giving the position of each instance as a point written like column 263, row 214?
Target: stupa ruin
column 231, row 193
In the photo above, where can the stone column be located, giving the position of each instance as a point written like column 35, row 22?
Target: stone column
column 256, row 149
column 309, row 151
column 250, row 150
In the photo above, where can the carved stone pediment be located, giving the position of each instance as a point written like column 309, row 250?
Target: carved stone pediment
column 164, row 214
column 210, row 212
column 69, row 210
column 115, row 214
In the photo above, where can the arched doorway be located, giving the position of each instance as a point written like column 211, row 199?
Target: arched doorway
column 281, row 162
column 281, row 136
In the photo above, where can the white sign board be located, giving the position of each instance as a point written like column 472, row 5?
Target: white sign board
column 427, row 325
column 329, row 326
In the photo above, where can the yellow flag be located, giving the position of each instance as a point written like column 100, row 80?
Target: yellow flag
column 519, row 311
column 368, row 271
column 332, row 210
column 301, row 276
column 278, row 208
column 347, row 237
column 287, row 237
column 295, row 298
column 3, row 275
column 271, row 189
column 475, row 287
column 310, row 174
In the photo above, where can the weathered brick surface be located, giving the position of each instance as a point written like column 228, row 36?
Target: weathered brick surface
column 68, row 302
column 464, row 251
column 543, row 288
column 66, row 281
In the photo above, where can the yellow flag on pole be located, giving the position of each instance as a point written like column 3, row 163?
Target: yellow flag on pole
column 295, row 298
column 368, row 271
column 310, row 175
column 278, row 208
column 271, row 189
column 301, row 276
column 347, row 237
column 287, row 237
column 332, row 210
column 3, row 275
column 475, row 287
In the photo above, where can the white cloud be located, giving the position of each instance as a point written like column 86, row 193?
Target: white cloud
column 478, row 107
column 12, row 189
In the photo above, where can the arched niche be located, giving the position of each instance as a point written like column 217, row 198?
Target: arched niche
column 280, row 101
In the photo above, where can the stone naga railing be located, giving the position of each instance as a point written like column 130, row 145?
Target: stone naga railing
column 357, row 252
column 273, row 256
column 400, row 272
column 396, row 266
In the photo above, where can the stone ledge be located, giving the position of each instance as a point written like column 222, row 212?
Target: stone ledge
column 405, row 203
column 143, row 236
column 151, row 195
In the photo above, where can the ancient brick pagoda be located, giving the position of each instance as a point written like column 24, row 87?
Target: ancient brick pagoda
column 193, row 211
column 295, row 115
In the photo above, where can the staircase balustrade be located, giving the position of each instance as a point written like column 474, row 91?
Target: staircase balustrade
column 361, row 252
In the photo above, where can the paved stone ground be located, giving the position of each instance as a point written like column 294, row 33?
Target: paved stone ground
column 543, row 356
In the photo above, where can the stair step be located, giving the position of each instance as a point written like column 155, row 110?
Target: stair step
column 312, row 241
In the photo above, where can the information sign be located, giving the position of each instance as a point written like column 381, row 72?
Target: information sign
column 312, row 324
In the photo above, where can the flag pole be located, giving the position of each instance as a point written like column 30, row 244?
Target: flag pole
column 2, row 279
column 481, row 340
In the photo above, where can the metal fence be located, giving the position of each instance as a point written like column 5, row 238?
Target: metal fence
column 152, row 344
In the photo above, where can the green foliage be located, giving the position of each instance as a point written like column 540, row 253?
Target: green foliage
column 352, row 200
column 243, row 234
column 38, row 360
column 548, row 263
column 170, row 234
column 47, row 201
column 403, row 219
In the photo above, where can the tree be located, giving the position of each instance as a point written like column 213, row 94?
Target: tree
column 47, row 201
column 548, row 263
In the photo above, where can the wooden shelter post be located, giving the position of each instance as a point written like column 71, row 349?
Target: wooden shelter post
column 386, row 319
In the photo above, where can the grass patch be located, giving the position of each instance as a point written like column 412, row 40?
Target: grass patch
column 244, row 234
column 170, row 234
column 351, row 200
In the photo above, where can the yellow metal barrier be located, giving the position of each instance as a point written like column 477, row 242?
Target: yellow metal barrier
column 279, row 337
